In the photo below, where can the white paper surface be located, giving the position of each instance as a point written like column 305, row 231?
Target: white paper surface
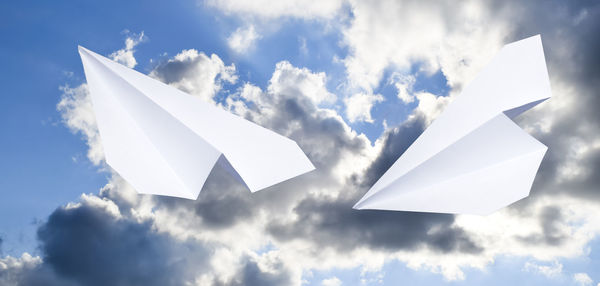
column 166, row 142
column 473, row 159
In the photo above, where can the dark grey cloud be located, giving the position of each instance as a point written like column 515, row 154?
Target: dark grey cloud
column 335, row 224
column 28, row 271
column 173, row 71
column 88, row 245
column 321, row 136
column 569, row 33
column 571, row 43
column 252, row 275
column 223, row 202
column 396, row 141
column 551, row 235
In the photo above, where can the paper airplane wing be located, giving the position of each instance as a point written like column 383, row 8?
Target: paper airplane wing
column 473, row 158
column 165, row 142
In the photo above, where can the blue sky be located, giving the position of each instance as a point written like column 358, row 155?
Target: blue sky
column 361, row 50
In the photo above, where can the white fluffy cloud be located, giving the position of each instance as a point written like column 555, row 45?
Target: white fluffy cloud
column 75, row 108
column 291, row 80
column 359, row 105
column 458, row 38
column 549, row 270
column 430, row 106
column 16, row 265
column 534, row 230
column 242, row 39
column 582, row 279
column 125, row 55
column 333, row 281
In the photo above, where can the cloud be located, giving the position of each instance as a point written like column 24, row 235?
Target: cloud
column 287, row 8
column 264, row 271
column 359, row 105
column 582, row 279
column 196, row 73
column 293, row 81
column 92, row 243
column 551, row 271
column 303, row 47
column 75, row 108
column 125, row 56
column 242, row 39
column 552, row 233
column 220, row 192
column 333, row 281
column 568, row 123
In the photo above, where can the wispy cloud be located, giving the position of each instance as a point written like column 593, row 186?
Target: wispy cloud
column 125, row 55
column 243, row 39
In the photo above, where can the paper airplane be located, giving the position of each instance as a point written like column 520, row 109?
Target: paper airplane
column 473, row 159
column 166, row 142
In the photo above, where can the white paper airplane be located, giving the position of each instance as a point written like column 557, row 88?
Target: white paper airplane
column 473, row 159
column 166, row 142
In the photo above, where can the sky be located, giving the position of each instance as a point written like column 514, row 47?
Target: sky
column 353, row 82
